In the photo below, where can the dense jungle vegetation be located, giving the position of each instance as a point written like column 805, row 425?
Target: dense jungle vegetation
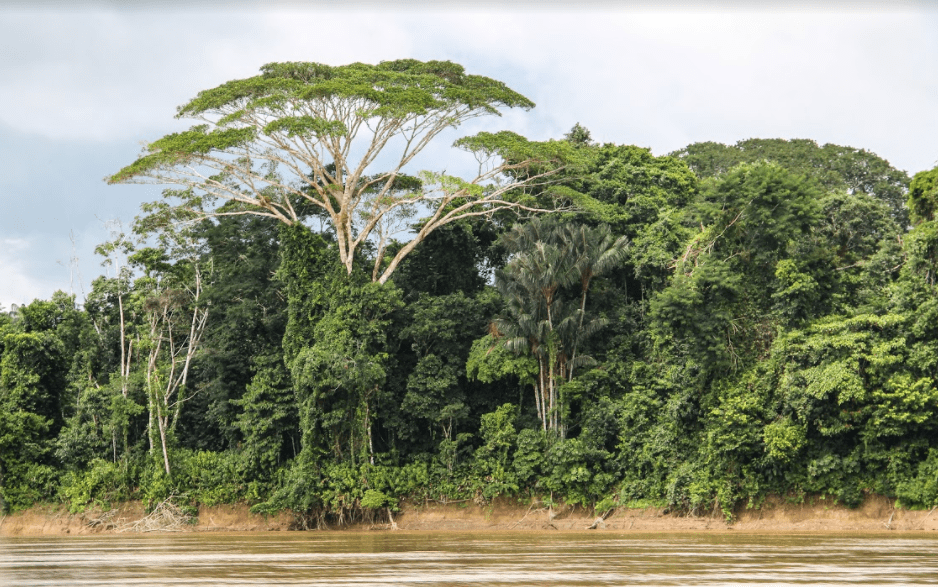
column 699, row 329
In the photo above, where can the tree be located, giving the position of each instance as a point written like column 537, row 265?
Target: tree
column 834, row 167
column 247, row 326
column 716, row 305
column 176, row 316
column 32, row 375
column 642, row 197
column 439, row 331
column 115, row 254
column 923, row 196
column 547, row 258
column 308, row 134
column 269, row 419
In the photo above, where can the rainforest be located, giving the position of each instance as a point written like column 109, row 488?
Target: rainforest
column 305, row 323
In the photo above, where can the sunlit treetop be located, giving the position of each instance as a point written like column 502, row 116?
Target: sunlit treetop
column 313, row 132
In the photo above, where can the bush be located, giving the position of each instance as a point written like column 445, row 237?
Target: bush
column 574, row 471
column 922, row 490
column 208, row 477
column 33, row 483
column 102, row 483
column 491, row 466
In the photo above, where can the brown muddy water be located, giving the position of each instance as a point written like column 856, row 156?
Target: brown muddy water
column 428, row 559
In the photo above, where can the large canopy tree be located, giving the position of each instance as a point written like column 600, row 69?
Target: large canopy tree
column 336, row 140
column 834, row 167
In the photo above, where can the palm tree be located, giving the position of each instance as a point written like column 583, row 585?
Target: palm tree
column 546, row 258
column 597, row 251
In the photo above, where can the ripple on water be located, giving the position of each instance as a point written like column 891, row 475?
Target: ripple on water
column 428, row 559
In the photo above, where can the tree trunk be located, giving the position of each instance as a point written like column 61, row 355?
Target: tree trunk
column 161, row 422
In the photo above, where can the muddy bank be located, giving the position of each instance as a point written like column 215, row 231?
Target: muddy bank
column 130, row 517
column 877, row 514
column 815, row 515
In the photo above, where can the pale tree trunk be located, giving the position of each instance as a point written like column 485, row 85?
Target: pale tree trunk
column 166, row 399
column 371, row 446
column 152, row 396
column 585, row 284
column 196, row 328
column 126, row 347
column 161, row 421
column 543, row 392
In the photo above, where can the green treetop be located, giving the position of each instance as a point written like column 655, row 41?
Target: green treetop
column 308, row 134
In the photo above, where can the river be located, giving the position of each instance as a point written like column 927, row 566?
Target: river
column 431, row 559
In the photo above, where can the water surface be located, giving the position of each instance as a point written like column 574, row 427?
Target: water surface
column 437, row 559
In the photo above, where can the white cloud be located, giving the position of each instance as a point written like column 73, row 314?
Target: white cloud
column 18, row 283
column 631, row 76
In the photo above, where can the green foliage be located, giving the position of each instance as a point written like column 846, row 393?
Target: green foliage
column 923, row 196
column 515, row 148
column 530, row 456
column 922, row 489
column 27, row 484
column 783, row 439
column 374, row 500
column 717, row 302
column 455, row 258
column 391, row 88
column 439, row 330
column 707, row 328
column 22, row 450
column 492, row 461
column 834, row 167
column 643, row 197
column 101, row 484
column 489, row 361
column 31, row 383
column 268, row 419
column 183, row 148
column 338, row 376
column 209, row 478
column 575, row 472
column 304, row 269
column 32, row 379
column 922, row 248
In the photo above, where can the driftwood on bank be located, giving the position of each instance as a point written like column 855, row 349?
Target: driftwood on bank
column 165, row 517
column 104, row 520
column 600, row 522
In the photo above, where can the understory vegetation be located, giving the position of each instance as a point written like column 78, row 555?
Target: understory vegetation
column 699, row 329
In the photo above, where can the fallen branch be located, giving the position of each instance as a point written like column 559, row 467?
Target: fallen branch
column 923, row 519
column 165, row 517
column 600, row 521
column 526, row 514
column 105, row 519
column 596, row 524
column 889, row 523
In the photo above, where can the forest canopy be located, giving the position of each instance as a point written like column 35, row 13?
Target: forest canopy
column 304, row 138
column 296, row 328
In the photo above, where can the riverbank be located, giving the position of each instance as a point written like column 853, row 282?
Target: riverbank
column 814, row 515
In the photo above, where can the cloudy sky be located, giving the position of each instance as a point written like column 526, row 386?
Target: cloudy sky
column 83, row 86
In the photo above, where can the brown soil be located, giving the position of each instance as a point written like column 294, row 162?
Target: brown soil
column 877, row 514
column 51, row 520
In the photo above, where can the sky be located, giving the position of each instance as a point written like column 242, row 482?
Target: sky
column 83, row 86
